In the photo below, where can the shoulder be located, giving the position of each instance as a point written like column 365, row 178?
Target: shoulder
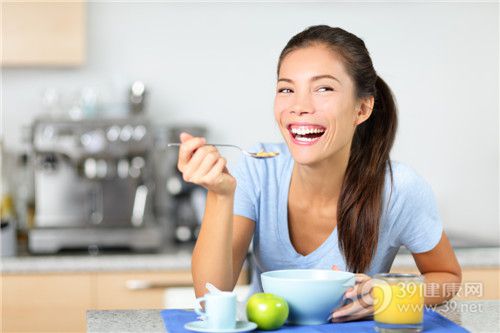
column 413, row 216
column 404, row 178
column 407, row 188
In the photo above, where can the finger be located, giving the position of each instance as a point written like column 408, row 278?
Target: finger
column 351, row 309
column 358, row 278
column 363, row 302
column 361, row 277
column 341, row 305
column 187, row 149
column 358, row 315
column 185, row 136
column 214, row 176
column 205, row 166
column 191, row 168
column 335, row 268
column 362, row 286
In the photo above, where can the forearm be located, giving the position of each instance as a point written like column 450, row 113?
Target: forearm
column 212, row 259
column 440, row 286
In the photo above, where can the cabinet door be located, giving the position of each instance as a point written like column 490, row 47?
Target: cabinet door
column 45, row 302
column 43, row 33
column 142, row 290
column 137, row 290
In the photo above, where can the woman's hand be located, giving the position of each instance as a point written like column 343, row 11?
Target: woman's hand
column 359, row 301
column 203, row 165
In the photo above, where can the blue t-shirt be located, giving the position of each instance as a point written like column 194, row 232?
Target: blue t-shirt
column 409, row 219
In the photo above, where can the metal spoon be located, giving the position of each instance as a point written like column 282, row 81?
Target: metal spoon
column 261, row 154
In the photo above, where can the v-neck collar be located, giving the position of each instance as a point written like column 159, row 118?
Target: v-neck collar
column 327, row 246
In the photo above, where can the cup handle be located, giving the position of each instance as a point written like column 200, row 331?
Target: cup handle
column 198, row 308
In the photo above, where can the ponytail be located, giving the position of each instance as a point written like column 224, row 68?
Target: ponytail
column 360, row 203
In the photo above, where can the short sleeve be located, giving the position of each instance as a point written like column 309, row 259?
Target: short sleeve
column 417, row 226
column 247, row 192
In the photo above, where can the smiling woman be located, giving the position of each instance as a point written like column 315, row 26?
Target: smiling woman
column 332, row 198
column 338, row 89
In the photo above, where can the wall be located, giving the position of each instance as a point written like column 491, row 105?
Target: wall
column 214, row 64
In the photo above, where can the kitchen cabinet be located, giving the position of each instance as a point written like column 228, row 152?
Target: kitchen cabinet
column 48, row 302
column 43, row 33
column 113, row 293
column 57, row 302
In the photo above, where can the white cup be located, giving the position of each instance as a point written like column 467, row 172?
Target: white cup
column 220, row 309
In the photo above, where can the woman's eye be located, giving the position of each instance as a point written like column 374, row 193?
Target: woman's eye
column 321, row 89
column 285, row 90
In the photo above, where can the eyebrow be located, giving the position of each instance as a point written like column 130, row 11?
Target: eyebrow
column 314, row 78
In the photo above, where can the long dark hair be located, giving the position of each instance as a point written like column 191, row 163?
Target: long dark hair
column 360, row 204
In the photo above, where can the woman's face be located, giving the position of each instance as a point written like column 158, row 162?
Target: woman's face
column 315, row 105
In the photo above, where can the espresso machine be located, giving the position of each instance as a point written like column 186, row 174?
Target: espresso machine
column 93, row 185
column 180, row 203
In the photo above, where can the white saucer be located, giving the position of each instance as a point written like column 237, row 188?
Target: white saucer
column 201, row 326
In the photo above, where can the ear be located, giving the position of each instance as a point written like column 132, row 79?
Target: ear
column 364, row 109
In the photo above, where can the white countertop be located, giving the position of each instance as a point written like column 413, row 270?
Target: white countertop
column 181, row 260
column 467, row 257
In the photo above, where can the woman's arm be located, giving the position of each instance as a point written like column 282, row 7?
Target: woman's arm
column 222, row 244
column 442, row 276
column 441, row 270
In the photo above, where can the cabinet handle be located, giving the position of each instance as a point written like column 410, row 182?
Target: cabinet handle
column 145, row 284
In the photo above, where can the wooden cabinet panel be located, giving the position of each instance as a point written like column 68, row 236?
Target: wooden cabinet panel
column 58, row 302
column 67, row 320
column 46, row 33
column 46, row 302
column 112, row 291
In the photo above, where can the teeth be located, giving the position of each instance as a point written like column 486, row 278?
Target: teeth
column 304, row 131
column 305, row 139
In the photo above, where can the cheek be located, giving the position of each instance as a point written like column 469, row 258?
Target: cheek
column 345, row 126
column 340, row 114
column 279, row 108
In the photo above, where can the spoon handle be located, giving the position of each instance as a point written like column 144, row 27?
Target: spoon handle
column 177, row 144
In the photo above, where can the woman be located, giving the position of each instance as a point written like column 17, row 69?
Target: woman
column 332, row 198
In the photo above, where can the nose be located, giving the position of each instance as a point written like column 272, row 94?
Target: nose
column 302, row 105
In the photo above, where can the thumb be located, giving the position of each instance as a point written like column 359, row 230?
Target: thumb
column 185, row 136
column 335, row 268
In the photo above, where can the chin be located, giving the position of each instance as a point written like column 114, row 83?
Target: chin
column 303, row 156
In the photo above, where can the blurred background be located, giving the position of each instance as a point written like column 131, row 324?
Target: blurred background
column 91, row 92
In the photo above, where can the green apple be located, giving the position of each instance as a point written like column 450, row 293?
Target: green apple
column 267, row 310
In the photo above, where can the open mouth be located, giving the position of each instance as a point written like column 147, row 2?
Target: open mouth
column 306, row 134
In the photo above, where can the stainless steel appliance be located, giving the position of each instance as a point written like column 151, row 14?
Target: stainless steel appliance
column 93, row 185
column 180, row 203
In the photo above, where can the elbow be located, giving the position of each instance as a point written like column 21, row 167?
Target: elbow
column 459, row 274
column 454, row 284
